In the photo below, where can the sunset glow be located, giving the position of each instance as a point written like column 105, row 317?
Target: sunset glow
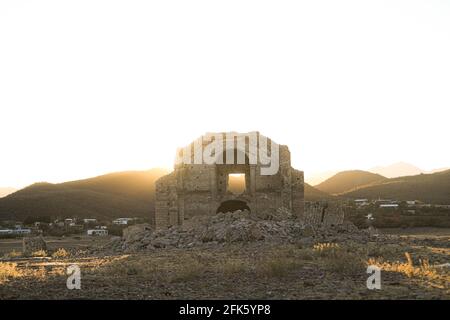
column 91, row 87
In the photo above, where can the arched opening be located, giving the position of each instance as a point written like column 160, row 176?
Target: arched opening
column 232, row 205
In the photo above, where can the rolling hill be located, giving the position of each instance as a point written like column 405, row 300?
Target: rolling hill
column 429, row 188
column 109, row 196
column 399, row 169
column 347, row 181
column 132, row 193
column 313, row 194
column 114, row 195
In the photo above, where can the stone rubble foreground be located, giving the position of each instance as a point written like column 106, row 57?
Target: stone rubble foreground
column 235, row 227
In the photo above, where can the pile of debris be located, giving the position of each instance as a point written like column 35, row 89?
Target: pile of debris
column 233, row 227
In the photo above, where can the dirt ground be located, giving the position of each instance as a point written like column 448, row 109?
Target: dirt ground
column 53, row 243
column 412, row 267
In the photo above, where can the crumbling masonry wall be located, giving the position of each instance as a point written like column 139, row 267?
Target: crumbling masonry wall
column 323, row 214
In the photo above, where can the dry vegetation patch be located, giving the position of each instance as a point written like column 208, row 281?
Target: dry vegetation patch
column 324, row 270
column 9, row 270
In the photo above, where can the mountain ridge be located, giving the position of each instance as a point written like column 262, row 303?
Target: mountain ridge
column 348, row 180
column 431, row 188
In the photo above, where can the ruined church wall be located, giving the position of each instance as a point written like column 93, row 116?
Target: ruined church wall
column 199, row 203
column 166, row 201
column 323, row 214
column 267, row 202
column 196, row 178
column 298, row 192
column 199, row 189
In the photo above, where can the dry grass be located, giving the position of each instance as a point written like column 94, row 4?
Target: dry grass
column 287, row 270
column 39, row 253
column 304, row 254
column 13, row 254
column 233, row 266
column 277, row 266
column 9, row 270
column 182, row 270
column 61, row 253
column 348, row 261
column 345, row 263
column 125, row 266
column 191, row 270
column 424, row 270
column 326, row 249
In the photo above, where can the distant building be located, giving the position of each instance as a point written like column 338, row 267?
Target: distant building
column 384, row 201
column 389, row 205
column 97, row 232
column 76, row 227
column 90, row 220
column 122, row 221
column 22, row 231
column 361, row 202
column 18, row 231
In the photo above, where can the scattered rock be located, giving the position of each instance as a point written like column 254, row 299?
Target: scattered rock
column 235, row 227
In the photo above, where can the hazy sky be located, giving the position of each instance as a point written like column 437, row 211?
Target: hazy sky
column 89, row 87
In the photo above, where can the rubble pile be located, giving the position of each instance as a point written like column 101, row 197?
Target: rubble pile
column 233, row 227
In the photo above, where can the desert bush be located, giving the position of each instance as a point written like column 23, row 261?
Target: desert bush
column 60, row 253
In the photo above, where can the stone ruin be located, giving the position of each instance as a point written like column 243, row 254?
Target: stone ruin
column 195, row 205
column 199, row 186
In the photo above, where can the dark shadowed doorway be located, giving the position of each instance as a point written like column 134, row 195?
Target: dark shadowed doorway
column 232, row 205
